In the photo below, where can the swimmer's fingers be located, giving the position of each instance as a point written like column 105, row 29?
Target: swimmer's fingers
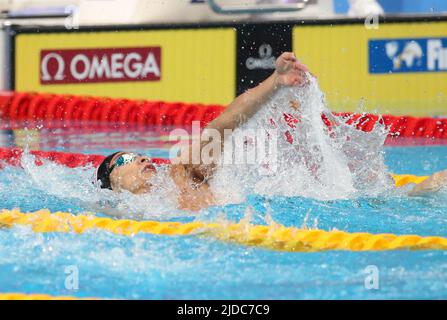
column 299, row 66
column 292, row 78
column 285, row 62
column 290, row 71
column 288, row 56
column 283, row 66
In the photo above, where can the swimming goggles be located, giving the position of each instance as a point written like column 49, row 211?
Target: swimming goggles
column 124, row 159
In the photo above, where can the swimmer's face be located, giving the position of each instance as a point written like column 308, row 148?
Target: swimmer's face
column 132, row 172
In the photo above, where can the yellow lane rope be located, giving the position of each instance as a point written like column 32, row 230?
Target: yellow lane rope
column 24, row 296
column 403, row 179
column 276, row 237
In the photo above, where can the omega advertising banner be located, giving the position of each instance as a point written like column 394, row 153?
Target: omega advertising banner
column 100, row 65
column 188, row 65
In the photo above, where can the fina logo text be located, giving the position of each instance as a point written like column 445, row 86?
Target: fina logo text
column 408, row 55
column 100, row 65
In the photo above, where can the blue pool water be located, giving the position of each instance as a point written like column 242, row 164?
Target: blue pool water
column 171, row 267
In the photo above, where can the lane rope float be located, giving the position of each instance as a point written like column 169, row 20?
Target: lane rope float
column 25, row 296
column 67, row 110
column 276, row 237
column 401, row 180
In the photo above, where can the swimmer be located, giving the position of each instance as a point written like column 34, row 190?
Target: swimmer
column 132, row 172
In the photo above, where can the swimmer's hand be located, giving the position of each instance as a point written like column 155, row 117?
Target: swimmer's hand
column 289, row 71
column 432, row 184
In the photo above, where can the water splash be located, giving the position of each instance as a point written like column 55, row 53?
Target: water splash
column 313, row 161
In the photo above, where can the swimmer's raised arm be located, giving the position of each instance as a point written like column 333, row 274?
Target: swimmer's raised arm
column 289, row 72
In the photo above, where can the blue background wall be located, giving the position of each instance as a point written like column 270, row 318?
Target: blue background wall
column 401, row 6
